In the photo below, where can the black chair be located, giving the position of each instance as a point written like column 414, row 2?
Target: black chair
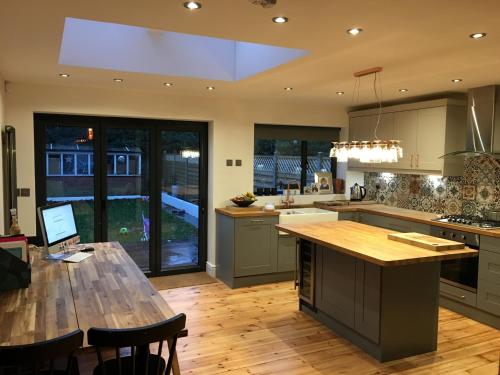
column 140, row 361
column 40, row 358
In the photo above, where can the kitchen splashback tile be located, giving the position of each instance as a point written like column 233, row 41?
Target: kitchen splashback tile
column 474, row 193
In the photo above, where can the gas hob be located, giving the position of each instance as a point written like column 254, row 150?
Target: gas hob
column 469, row 221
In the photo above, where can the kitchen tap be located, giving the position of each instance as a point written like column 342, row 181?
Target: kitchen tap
column 288, row 200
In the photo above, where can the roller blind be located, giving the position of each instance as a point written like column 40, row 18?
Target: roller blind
column 303, row 133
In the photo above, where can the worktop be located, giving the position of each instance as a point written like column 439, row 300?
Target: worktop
column 411, row 215
column 245, row 212
column 369, row 243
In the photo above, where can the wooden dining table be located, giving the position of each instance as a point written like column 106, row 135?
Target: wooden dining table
column 106, row 290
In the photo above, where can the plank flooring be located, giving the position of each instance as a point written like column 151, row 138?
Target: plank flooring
column 258, row 330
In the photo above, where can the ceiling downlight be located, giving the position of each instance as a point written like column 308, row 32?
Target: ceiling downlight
column 354, row 31
column 280, row 19
column 477, row 35
column 192, row 5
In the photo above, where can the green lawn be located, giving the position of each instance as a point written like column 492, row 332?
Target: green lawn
column 127, row 213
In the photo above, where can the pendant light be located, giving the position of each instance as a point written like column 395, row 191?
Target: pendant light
column 369, row 151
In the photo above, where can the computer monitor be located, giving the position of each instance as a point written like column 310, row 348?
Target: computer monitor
column 57, row 222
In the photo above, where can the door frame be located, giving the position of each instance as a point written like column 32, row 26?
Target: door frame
column 155, row 126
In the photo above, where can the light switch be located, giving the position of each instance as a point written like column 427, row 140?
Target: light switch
column 238, row 162
column 229, row 163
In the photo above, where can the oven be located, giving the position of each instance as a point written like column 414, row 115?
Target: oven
column 461, row 273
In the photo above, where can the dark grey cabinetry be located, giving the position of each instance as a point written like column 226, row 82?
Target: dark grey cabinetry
column 351, row 216
column 488, row 286
column 256, row 246
column 336, row 285
column 348, row 290
column 367, row 302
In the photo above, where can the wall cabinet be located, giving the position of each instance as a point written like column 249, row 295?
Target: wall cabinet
column 427, row 130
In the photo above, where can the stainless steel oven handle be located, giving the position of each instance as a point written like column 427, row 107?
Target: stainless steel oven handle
column 453, row 295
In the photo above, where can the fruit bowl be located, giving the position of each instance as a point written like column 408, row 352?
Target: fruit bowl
column 243, row 203
column 244, row 200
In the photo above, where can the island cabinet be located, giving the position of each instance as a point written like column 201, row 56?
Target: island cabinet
column 349, row 291
column 381, row 309
column 250, row 251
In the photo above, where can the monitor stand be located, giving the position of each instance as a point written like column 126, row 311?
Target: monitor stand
column 54, row 252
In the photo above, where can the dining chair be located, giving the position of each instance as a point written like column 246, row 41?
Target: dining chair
column 140, row 361
column 40, row 358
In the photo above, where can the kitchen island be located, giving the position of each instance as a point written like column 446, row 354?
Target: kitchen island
column 380, row 294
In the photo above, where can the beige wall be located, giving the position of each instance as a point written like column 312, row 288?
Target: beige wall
column 230, row 131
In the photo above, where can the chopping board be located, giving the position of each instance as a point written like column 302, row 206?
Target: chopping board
column 425, row 241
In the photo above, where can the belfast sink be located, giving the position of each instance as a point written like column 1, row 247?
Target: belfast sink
column 306, row 215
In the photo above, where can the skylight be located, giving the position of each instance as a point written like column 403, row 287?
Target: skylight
column 105, row 45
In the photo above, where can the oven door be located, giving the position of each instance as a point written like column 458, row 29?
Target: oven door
column 461, row 273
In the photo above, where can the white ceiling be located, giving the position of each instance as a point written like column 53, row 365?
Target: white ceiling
column 422, row 45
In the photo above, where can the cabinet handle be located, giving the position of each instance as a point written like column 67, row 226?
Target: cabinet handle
column 256, row 221
column 418, row 155
column 453, row 295
column 411, row 161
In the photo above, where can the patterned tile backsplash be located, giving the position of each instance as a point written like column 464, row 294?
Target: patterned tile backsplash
column 474, row 193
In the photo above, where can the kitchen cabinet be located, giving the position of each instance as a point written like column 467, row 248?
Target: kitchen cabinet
column 256, row 246
column 427, row 130
column 336, row 284
column 393, row 223
column 351, row 216
column 488, row 284
column 249, row 251
column 367, row 300
column 287, row 250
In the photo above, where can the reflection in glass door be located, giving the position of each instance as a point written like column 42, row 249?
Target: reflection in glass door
column 127, row 191
column 69, row 173
column 181, row 198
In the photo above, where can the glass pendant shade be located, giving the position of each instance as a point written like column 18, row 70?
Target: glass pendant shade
column 367, row 151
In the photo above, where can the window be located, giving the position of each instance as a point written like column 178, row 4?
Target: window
column 82, row 164
column 290, row 155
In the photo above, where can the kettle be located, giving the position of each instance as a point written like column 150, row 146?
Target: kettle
column 357, row 192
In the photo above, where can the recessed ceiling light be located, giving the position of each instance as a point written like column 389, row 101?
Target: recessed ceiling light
column 456, row 80
column 340, row 93
column 354, row 31
column 118, row 79
column 169, row 84
column 192, row 5
column 280, row 19
column 210, row 88
column 288, row 88
column 403, row 90
column 64, row 75
column 477, row 35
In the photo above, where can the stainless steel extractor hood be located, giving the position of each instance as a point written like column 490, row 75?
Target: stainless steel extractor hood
column 483, row 123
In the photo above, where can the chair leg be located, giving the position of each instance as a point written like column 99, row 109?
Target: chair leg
column 175, row 361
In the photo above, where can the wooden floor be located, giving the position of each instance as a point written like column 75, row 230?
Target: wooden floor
column 258, row 330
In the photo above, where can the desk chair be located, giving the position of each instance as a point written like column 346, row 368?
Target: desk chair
column 32, row 358
column 140, row 361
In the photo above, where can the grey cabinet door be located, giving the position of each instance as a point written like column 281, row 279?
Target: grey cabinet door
column 488, row 296
column 489, row 266
column 287, row 252
column 393, row 223
column 367, row 306
column 351, row 216
column 256, row 244
column 335, row 281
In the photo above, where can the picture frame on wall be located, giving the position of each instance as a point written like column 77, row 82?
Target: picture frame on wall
column 324, row 182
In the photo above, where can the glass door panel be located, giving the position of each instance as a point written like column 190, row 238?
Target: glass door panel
column 69, row 173
column 180, row 199
column 128, row 191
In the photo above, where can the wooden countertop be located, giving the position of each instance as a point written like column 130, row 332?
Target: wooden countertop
column 245, row 212
column 369, row 243
column 107, row 290
column 412, row 215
